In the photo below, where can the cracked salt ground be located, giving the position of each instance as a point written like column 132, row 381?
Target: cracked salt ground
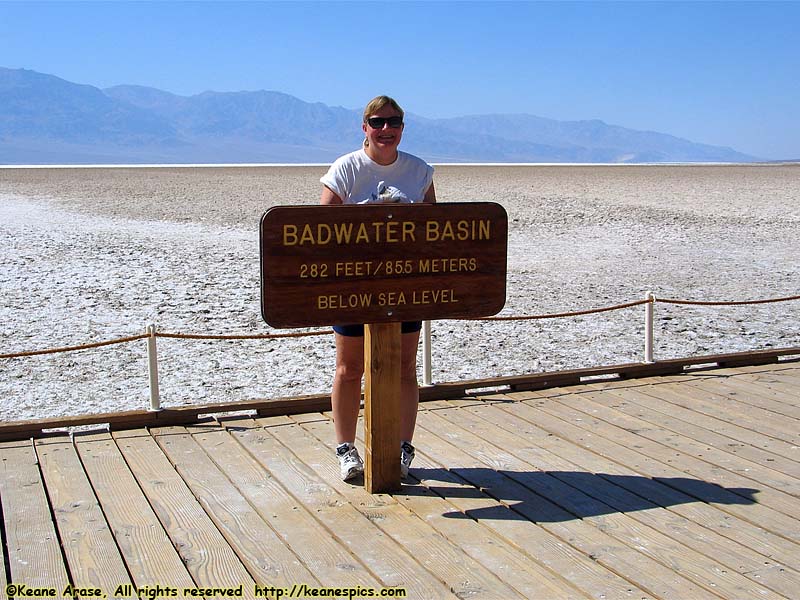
column 83, row 261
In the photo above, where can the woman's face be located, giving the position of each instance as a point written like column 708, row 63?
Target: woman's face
column 385, row 138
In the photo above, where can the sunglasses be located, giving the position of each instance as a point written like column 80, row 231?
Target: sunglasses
column 379, row 122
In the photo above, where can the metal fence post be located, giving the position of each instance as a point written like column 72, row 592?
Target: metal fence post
column 426, row 353
column 649, row 311
column 152, row 360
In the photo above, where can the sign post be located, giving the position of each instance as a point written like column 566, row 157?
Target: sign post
column 382, row 264
column 382, row 407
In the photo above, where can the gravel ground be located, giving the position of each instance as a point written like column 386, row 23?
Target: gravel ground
column 96, row 254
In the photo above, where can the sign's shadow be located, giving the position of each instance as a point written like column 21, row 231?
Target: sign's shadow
column 557, row 496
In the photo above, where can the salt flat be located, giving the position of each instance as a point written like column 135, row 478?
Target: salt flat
column 95, row 254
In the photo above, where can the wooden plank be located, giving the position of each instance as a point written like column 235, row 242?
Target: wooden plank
column 394, row 562
column 635, row 404
column 306, row 418
column 749, row 398
column 705, row 409
column 650, row 528
column 181, row 415
column 206, row 553
column 606, row 408
column 464, row 576
column 616, row 463
column 242, row 458
column 789, row 389
column 263, row 553
column 760, row 396
column 661, row 399
column 91, row 435
column 148, row 552
column 784, row 381
column 717, row 406
column 688, row 374
column 758, row 357
column 91, row 552
column 618, row 542
column 3, row 557
column 248, row 421
column 651, row 440
column 759, row 385
column 614, row 384
column 787, row 371
column 657, row 462
column 582, row 570
column 5, row 575
column 757, row 549
column 519, row 570
column 789, row 365
column 252, row 424
column 34, row 551
column 382, row 407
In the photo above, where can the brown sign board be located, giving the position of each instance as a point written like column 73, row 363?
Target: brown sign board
column 378, row 263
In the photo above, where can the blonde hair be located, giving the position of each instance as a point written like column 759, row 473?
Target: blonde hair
column 377, row 103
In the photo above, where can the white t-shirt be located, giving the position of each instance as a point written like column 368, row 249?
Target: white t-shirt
column 357, row 179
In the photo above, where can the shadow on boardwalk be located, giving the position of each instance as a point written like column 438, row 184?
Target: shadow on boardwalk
column 555, row 496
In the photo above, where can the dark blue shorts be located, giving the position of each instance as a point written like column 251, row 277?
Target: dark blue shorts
column 358, row 330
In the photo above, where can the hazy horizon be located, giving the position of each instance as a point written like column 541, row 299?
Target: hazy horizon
column 722, row 74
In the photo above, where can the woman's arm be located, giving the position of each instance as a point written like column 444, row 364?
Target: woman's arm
column 430, row 195
column 329, row 196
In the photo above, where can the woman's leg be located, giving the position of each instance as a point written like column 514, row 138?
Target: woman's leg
column 346, row 393
column 409, row 388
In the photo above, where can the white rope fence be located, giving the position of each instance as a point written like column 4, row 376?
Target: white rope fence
column 152, row 334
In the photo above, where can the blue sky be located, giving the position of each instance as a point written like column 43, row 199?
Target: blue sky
column 721, row 73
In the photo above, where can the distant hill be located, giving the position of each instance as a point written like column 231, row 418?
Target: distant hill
column 47, row 120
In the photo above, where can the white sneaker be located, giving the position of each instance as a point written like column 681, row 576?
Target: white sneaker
column 350, row 463
column 407, row 454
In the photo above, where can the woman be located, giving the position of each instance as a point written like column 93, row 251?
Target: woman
column 378, row 172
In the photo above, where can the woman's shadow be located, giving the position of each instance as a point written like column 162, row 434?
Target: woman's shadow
column 554, row 496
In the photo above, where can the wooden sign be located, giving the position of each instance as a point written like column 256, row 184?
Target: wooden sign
column 379, row 263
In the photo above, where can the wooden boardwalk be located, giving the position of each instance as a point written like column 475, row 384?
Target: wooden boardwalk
column 684, row 486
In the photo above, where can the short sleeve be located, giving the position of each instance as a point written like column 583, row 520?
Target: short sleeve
column 335, row 180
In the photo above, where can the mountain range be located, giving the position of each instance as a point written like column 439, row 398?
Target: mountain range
column 47, row 120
